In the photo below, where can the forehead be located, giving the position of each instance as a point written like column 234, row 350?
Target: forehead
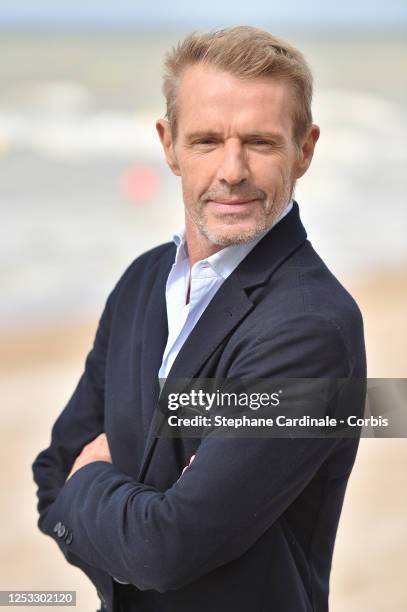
column 217, row 99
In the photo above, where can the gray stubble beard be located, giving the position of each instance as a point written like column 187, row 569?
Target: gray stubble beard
column 263, row 224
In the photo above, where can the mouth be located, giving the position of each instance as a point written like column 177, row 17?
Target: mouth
column 233, row 204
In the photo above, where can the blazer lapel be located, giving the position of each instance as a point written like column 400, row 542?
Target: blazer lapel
column 227, row 308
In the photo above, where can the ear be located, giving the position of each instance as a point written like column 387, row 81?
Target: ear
column 307, row 150
column 164, row 132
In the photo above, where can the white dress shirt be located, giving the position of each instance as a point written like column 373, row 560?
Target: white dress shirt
column 207, row 275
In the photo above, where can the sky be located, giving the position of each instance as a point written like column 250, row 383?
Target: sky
column 351, row 15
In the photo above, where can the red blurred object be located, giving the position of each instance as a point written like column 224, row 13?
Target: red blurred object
column 139, row 183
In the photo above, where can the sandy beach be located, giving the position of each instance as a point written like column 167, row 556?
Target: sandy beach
column 40, row 368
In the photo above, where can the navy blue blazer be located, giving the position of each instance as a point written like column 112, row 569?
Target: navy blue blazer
column 251, row 524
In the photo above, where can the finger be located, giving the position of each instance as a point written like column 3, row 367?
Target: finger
column 187, row 466
column 100, row 440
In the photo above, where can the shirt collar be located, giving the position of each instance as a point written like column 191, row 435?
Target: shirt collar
column 223, row 262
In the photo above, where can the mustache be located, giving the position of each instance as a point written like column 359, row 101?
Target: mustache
column 247, row 192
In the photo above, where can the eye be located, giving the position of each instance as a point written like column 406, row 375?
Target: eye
column 260, row 142
column 205, row 141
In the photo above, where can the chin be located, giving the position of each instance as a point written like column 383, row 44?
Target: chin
column 224, row 234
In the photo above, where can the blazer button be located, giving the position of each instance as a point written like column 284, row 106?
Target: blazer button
column 61, row 531
column 68, row 537
column 57, row 526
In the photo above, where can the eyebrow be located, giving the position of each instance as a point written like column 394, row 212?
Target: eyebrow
column 212, row 134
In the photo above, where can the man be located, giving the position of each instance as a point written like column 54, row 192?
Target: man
column 250, row 523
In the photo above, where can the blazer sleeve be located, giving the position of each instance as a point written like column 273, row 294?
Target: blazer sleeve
column 233, row 491
column 81, row 421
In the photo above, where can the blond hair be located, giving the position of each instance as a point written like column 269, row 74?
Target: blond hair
column 247, row 53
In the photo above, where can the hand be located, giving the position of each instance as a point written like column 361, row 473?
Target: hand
column 190, row 461
column 97, row 450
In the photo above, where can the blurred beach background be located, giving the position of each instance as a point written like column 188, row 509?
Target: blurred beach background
column 84, row 189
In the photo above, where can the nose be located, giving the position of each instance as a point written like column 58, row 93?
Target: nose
column 233, row 168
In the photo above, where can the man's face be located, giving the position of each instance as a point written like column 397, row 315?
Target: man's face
column 234, row 151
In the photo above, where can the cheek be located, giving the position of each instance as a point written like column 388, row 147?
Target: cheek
column 197, row 173
column 276, row 177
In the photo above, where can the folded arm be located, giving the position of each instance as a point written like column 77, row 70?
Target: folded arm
column 228, row 497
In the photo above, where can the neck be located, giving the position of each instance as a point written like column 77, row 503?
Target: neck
column 199, row 247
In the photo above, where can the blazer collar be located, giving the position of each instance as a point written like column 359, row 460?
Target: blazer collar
column 272, row 250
